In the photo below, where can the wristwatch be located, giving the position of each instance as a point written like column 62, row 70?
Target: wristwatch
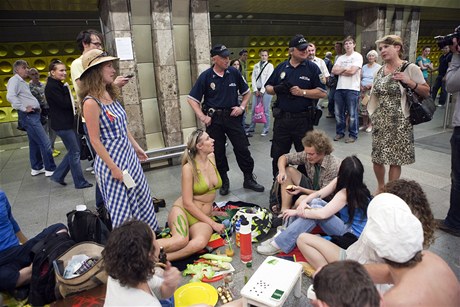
column 242, row 109
column 304, row 93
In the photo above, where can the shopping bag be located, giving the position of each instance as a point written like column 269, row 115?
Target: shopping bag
column 259, row 113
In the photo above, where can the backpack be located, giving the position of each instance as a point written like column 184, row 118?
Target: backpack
column 43, row 281
column 87, row 226
column 261, row 221
column 275, row 198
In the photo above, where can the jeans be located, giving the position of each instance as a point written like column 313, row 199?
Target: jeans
column 346, row 101
column 266, row 99
column 331, row 103
column 434, row 91
column 453, row 216
column 40, row 152
column 71, row 160
column 286, row 240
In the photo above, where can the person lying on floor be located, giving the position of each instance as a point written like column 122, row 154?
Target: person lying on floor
column 350, row 201
column 130, row 258
column 190, row 216
column 320, row 166
column 319, row 252
column 15, row 251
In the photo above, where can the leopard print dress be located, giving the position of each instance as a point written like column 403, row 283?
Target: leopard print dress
column 392, row 134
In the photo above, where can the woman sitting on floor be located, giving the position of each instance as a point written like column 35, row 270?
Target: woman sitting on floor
column 320, row 252
column 190, row 217
column 350, row 201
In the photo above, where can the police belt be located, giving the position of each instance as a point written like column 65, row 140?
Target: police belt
column 304, row 114
column 219, row 111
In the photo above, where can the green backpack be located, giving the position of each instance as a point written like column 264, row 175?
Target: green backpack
column 261, row 221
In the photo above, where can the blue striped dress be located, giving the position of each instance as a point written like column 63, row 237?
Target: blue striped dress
column 122, row 203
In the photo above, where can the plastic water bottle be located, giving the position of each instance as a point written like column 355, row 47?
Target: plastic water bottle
column 237, row 232
column 245, row 241
column 248, row 272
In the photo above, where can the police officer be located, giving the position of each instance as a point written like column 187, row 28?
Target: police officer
column 297, row 85
column 221, row 114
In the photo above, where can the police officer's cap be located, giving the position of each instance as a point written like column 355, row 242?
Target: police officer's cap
column 220, row 50
column 299, row 42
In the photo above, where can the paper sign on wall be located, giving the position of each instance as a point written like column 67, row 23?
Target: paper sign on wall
column 124, row 48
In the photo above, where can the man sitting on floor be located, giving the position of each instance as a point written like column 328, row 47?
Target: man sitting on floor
column 16, row 259
column 321, row 168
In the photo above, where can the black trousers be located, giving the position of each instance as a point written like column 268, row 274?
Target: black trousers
column 222, row 125
column 288, row 131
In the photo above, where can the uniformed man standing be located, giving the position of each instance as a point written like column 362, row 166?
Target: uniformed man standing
column 297, row 85
column 221, row 113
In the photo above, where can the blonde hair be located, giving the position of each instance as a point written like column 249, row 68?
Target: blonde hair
column 319, row 140
column 394, row 40
column 92, row 84
column 190, row 152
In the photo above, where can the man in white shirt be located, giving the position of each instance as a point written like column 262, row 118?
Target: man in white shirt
column 28, row 107
column 260, row 74
column 348, row 68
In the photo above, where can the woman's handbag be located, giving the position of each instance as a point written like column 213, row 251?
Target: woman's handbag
column 91, row 278
column 421, row 109
column 259, row 113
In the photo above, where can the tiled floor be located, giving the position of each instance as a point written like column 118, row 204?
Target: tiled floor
column 38, row 202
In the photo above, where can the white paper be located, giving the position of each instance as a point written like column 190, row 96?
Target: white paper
column 124, row 48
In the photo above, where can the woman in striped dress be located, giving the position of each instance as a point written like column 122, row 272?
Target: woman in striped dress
column 117, row 150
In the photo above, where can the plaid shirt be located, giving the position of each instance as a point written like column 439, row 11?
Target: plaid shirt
column 329, row 166
column 38, row 91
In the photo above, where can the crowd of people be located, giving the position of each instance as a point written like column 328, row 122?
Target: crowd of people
column 380, row 238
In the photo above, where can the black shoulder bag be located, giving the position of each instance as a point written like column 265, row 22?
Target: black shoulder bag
column 421, row 109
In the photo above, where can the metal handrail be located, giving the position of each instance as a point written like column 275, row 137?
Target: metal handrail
column 169, row 153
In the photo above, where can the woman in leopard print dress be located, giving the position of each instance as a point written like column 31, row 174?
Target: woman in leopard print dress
column 393, row 136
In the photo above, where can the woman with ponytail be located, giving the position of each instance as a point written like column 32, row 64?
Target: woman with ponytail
column 190, row 217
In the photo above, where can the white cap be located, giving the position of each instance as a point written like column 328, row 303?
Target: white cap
column 392, row 230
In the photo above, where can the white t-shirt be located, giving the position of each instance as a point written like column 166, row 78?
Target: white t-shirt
column 350, row 82
column 117, row 295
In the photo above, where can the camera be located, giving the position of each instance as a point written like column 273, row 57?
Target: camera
column 447, row 40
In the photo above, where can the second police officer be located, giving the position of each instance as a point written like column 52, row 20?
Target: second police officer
column 218, row 86
column 297, row 85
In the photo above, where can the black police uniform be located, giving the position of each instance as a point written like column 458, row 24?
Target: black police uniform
column 220, row 95
column 292, row 114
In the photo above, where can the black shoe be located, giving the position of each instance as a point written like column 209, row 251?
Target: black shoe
column 21, row 293
column 84, row 186
column 251, row 183
column 440, row 224
column 225, row 185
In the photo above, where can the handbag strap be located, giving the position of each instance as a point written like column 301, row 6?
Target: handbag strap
column 403, row 68
column 260, row 74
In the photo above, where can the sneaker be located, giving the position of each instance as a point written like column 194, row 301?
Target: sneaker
column 49, row 173
column 264, row 133
column 56, row 153
column 89, row 169
column 268, row 250
column 362, row 128
column 92, row 172
column 35, row 172
column 369, row 129
column 330, row 115
column 440, row 224
column 267, row 242
column 251, row 183
column 338, row 137
column 249, row 135
column 350, row 140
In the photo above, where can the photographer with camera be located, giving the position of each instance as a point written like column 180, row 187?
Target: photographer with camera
column 451, row 224
column 297, row 85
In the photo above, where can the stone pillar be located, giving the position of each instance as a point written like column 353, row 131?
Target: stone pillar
column 166, row 71
column 200, row 39
column 380, row 21
column 115, row 18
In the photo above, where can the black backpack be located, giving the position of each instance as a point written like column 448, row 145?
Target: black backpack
column 43, row 281
column 87, row 226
